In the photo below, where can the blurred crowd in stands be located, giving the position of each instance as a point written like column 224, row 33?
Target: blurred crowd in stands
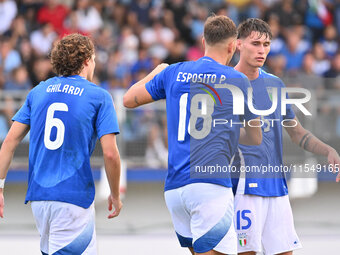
column 134, row 36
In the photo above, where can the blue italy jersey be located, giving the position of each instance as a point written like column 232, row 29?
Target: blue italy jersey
column 198, row 100
column 263, row 163
column 66, row 115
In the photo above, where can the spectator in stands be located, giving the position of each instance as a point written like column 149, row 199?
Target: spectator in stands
column 141, row 8
column 240, row 10
column 42, row 70
column 321, row 64
column 317, row 17
column 294, row 50
column 144, row 62
column 307, row 78
column 27, row 54
column 26, row 50
column 9, row 56
column 169, row 22
column 119, row 15
column 332, row 103
column 29, row 9
column 17, row 31
column 157, row 38
column 286, row 12
column 43, row 38
column 180, row 16
column 176, row 52
column 8, row 11
column 116, row 66
column 156, row 151
column 71, row 24
column 89, row 19
column 276, row 65
column 197, row 23
column 337, row 15
column 128, row 46
column 333, row 73
column 277, row 43
column 211, row 5
column 18, row 80
column 329, row 41
column 105, row 39
column 196, row 51
column 112, row 83
column 55, row 13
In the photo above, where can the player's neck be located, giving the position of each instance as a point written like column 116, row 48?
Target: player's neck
column 251, row 72
column 221, row 52
column 83, row 73
column 220, row 58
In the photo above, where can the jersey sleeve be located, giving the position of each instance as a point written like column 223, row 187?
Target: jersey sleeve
column 107, row 122
column 248, row 115
column 289, row 110
column 24, row 114
column 156, row 87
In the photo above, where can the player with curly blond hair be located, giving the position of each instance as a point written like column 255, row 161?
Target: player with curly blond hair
column 66, row 115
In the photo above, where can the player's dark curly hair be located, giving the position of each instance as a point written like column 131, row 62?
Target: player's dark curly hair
column 253, row 25
column 218, row 28
column 69, row 54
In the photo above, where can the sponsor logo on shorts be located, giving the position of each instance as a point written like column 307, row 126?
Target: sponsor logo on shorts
column 242, row 239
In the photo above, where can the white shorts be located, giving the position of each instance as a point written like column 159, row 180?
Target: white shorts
column 202, row 214
column 265, row 224
column 65, row 228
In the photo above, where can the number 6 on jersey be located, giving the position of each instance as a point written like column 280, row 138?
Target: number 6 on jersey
column 54, row 122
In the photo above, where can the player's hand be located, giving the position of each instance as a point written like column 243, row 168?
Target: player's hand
column 114, row 204
column 334, row 162
column 2, row 203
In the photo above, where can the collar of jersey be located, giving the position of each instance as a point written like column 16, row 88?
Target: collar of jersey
column 260, row 75
column 209, row 58
column 75, row 77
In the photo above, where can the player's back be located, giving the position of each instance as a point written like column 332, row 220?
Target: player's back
column 195, row 93
column 66, row 115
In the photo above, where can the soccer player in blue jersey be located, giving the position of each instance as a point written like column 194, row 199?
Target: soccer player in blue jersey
column 65, row 115
column 263, row 214
column 199, row 112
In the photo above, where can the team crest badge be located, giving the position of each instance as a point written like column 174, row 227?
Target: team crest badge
column 270, row 93
column 242, row 239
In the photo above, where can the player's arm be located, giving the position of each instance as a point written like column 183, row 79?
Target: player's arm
column 251, row 135
column 309, row 142
column 112, row 169
column 137, row 94
column 16, row 133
